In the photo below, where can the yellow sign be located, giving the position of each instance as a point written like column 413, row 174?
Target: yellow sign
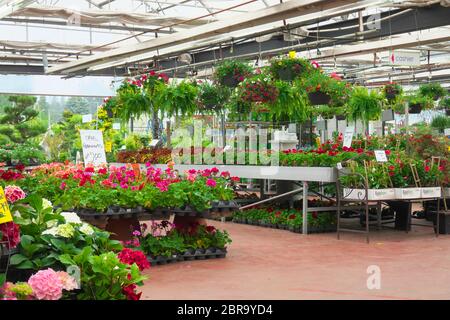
column 318, row 142
column 5, row 214
column 108, row 146
column 292, row 54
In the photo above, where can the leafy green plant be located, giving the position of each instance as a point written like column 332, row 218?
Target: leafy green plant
column 440, row 123
column 132, row 101
column 212, row 97
column 417, row 99
column 179, row 99
column 432, row 90
column 295, row 67
column 364, row 105
column 233, row 69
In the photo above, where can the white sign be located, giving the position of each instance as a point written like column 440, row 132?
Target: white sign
column 154, row 143
column 447, row 132
column 380, row 155
column 348, row 137
column 405, row 58
column 116, row 125
column 93, row 147
column 86, row 118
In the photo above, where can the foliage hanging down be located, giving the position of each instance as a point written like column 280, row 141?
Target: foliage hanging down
column 365, row 105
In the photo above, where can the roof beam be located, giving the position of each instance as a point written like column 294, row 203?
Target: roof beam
column 9, row 7
column 278, row 12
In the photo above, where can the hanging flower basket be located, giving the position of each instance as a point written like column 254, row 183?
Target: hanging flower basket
column 318, row 98
column 285, row 74
column 260, row 108
column 391, row 91
column 258, row 90
column 415, row 108
column 230, row 81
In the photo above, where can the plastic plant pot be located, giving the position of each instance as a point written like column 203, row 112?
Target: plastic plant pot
column 318, row 98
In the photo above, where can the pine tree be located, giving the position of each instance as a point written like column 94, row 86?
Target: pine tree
column 19, row 121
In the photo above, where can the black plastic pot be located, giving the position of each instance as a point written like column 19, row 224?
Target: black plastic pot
column 285, row 74
column 415, row 108
column 391, row 95
column 109, row 113
column 444, row 222
column 230, row 81
column 340, row 117
column 318, row 98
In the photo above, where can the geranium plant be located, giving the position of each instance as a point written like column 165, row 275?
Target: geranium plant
column 231, row 72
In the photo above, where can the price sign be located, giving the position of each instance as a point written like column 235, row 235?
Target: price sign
column 318, row 142
column 108, row 146
column 348, row 137
column 116, row 126
column 5, row 214
column 380, row 155
column 93, row 147
column 85, row 118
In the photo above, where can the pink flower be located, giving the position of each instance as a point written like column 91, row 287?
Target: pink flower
column 123, row 185
column 46, row 285
column 192, row 171
column 211, row 183
column 62, row 186
column 14, row 193
column 11, row 234
column 225, row 174
column 214, row 170
column 68, row 282
column 235, row 179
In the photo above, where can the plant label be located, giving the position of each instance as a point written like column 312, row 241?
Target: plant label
column 339, row 166
column 380, row 155
column 108, row 146
column 447, row 132
column 348, row 137
column 116, row 126
column 93, row 147
column 86, row 118
column 5, row 214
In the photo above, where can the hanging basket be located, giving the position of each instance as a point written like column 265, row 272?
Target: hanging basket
column 285, row 74
column 318, row 98
column 415, row 108
column 391, row 95
column 259, row 108
column 230, row 81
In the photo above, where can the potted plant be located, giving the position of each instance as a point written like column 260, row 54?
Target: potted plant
column 288, row 69
column 212, row 97
column 432, row 90
column 323, row 89
column 258, row 90
column 391, row 91
column 132, row 100
column 230, row 72
column 179, row 99
column 440, row 123
column 445, row 104
column 430, row 175
column 365, row 105
column 110, row 105
column 417, row 103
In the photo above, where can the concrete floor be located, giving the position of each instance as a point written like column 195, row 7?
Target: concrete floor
column 265, row 263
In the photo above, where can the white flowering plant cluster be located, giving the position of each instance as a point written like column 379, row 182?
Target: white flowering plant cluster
column 46, row 235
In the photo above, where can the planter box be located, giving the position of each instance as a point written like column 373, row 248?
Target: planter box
column 373, row 194
column 431, row 192
column 408, row 193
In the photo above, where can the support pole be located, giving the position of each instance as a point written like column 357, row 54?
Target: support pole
column 305, row 207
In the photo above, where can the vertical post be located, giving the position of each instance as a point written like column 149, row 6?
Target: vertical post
column 305, row 207
column 168, row 133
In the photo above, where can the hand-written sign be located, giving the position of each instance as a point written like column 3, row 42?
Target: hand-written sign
column 93, row 147
column 5, row 214
column 380, row 155
column 348, row 137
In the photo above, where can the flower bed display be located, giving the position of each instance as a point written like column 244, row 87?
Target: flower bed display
column 288, row 219
column 107, row 190
column 164, row 242
column 51, row 241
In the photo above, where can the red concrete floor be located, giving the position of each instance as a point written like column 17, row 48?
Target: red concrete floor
column 265, row 263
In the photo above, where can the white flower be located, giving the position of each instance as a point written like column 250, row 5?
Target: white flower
column 86, row 229
column 52, row 223
column 52, row 231
column 71, row 217
column 46, row 204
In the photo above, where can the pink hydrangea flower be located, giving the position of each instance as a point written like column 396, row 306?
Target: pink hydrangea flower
column 14, row 193
column 68, row 282
column 46, row 285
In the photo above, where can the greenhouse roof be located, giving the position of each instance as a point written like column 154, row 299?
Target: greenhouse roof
column 187, row 37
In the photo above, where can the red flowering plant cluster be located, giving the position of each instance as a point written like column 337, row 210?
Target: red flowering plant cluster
column 130, row 256
column 258, row 89
column 75, row 187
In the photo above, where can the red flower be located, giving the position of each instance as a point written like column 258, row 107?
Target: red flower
column 314, row 215
column 292, row 217
column 359, row 150
column 278, row 213
column 102, row 171
column 391, row 168
column 20, row 167
column 11, row 234
column 427, row 168
column 235, row 179
column 130, row 256
column 130, row 292
column 89, row 169
column 210, row 229
column 388, row 152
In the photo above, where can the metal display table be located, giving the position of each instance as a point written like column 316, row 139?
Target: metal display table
column 301, row 174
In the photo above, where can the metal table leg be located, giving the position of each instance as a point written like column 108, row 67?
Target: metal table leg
column 305, row 207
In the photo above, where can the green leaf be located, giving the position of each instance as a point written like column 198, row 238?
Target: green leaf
column 17, row 259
